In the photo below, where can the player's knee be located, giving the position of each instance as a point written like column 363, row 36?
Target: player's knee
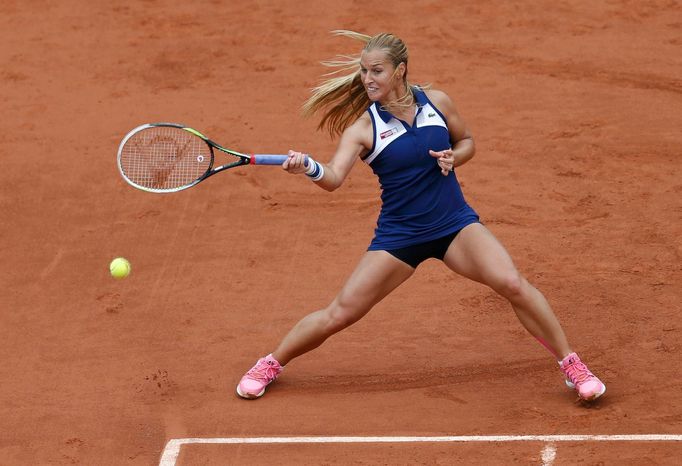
column 511, row 285
column 342, row 314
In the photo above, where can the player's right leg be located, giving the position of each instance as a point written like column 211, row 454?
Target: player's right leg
column 376, row 275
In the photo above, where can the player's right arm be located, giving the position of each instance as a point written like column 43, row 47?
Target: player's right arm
column 356, row 141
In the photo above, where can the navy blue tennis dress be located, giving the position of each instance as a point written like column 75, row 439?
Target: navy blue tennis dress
column 419, row 204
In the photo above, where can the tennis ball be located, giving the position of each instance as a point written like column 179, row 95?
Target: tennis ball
column 119, row 268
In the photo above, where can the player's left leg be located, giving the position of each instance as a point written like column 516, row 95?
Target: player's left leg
column 476, row 254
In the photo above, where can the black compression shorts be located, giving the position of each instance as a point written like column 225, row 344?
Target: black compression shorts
column 418, row 253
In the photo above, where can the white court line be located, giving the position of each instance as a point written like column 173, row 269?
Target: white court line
column 172, row 450
column 548, row 454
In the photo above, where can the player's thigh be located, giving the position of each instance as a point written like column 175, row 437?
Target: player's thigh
column 376, row 275
column 475, row 253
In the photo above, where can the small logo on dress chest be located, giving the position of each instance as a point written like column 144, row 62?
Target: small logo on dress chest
column 388, row 133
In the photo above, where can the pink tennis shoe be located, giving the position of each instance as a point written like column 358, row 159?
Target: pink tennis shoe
column 254, row 382
column 579, row 377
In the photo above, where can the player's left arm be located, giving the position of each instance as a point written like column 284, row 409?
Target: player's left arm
column 463, row 147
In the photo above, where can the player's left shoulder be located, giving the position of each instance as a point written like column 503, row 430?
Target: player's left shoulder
column 438, row 97
column 441, row 100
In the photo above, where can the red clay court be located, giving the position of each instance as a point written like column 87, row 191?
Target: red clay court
column 576, row 110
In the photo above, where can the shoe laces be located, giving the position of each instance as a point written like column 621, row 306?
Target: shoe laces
column 264, row 372
column 578, row 373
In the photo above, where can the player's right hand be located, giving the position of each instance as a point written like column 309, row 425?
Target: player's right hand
column 295, row 163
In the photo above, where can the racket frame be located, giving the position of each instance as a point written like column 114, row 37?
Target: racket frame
column 243, row 159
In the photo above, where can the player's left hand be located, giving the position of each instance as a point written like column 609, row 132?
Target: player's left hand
column 446, row 160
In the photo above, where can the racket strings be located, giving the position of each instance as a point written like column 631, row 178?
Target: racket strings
column 165, row 158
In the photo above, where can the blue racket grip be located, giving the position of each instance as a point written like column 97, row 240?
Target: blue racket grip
column 270, row 159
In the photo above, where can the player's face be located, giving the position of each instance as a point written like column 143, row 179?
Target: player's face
column 378, row 76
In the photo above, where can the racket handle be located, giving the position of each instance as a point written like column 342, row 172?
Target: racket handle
column 270, row 159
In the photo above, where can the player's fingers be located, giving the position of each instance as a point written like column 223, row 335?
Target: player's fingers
column 288, row 164
column 296, row 162
column 435, row 154
column 445, row 166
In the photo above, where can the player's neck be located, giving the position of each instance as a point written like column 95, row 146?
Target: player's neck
column 400, row 104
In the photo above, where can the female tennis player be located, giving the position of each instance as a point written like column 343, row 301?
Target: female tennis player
column 413, row 139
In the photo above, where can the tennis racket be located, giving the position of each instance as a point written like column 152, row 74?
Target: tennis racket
column 168, row 157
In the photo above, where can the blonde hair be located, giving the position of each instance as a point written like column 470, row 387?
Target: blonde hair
column 344, row 98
